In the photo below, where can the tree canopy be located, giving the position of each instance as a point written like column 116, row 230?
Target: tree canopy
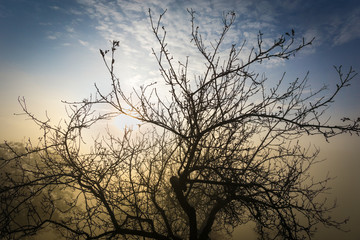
column 220, row 148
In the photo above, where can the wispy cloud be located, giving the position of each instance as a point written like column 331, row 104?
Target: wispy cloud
column 53, row 35
column 4, row 12
column 347, row 28
column 84, row 43
column 332, row 24
column 69, row 29
column 54, row 7
column 45, row 23
column 128, row 22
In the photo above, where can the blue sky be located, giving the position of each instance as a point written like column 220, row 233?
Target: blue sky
column 51, row 47
column 49, row 52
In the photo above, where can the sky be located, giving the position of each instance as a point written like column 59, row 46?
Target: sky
column 49, row 52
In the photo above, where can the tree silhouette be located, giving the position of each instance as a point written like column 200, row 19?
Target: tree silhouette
column 220, row 149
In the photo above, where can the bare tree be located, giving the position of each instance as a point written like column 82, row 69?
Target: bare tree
column 224, row 149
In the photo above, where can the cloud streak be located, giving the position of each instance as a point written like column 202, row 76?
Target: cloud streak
column 128, row 22
column 347, row 28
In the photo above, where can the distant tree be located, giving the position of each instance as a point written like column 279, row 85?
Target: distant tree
column 28, row 193
column 220, row 149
